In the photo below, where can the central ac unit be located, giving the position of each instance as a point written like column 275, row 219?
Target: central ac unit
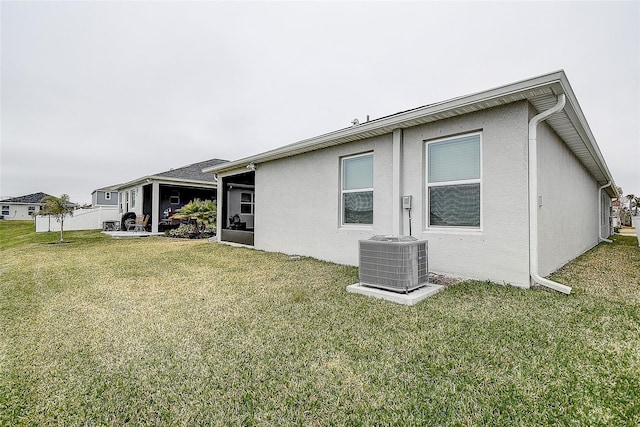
column 397, row 264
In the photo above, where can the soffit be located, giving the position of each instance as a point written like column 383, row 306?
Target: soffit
column 571, row 128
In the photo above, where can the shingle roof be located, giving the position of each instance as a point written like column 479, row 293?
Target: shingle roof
column 29, row 198
column 193, row 172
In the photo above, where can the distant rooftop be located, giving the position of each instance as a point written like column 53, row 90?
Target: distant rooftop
column 29, row 198
column 190, row 173
column 193, row 172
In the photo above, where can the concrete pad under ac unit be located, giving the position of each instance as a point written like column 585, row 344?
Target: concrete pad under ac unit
column 412, row 298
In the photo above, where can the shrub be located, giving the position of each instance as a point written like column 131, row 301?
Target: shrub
column 191, row 231
column 201, row 220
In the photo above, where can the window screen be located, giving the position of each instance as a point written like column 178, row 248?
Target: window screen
column 357, row 189
column 454, row 182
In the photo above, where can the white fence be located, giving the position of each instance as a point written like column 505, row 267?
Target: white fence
column 82, row 219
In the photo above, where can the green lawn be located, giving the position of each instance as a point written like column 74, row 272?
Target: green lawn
column 158, row 331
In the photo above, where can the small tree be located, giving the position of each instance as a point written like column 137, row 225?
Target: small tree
column 59, row 207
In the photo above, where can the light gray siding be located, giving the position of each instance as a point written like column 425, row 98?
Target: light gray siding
column 99, row 198
column 298, row 202
column 298, row 194
column 568, row 217
column 19, row 211
column 499, row 251
column 298, row 199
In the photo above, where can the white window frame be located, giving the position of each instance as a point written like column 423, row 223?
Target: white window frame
column 31, row 210
column 428, row 185
column 133, row 198
column 250, row 203
column 107, row 195
column 6, row 210
column 357, row 190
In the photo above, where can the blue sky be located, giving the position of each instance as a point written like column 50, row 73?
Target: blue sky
column 99, row 93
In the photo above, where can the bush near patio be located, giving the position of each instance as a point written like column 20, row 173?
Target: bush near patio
column 201, row 220
column 188, row 332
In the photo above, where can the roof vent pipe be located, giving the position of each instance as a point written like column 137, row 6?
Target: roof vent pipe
column 533, row 199
column 602, row 239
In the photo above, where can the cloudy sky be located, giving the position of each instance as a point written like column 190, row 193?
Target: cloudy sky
column 99, row 93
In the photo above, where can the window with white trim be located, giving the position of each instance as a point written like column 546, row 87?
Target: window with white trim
column 357, row 189
column 31, row 210
column 107, row 195
column 247, row 203
column 133, row 198
column 454, row 180
column 5, row 210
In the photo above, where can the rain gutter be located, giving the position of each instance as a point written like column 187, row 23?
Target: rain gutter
column 533, row 199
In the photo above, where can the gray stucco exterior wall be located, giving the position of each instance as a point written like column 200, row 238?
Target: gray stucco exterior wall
column 297, row 202
column 499, row 251
column 568, row 217
column 298, row 199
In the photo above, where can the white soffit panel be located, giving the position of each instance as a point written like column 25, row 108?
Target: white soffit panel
column 568, row 132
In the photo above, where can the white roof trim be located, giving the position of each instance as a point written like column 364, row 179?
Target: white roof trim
column 164, row 180
column 534, row 89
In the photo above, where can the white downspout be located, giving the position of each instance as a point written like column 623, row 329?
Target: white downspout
column 533, row 199
column 602, row 239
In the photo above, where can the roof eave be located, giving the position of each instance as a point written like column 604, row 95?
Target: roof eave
column 400, row 120
column 554, row 83
column 21, row 203
column 165, row 180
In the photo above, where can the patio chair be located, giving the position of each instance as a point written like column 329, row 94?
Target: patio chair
column 139, row 225
column 142, row 225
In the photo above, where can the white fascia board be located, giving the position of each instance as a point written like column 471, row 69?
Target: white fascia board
column 555, row 82
column 21, row 203
column 129, row 184
column 164, row 180
column 395, row 121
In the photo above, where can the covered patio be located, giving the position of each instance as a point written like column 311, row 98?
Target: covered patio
column 236, row 211
column 160, row 195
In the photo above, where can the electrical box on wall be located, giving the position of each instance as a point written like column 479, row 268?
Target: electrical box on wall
column 406, row 202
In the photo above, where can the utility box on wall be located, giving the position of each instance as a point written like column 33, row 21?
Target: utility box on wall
column 397, row 264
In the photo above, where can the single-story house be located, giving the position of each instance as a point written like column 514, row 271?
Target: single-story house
column 160, row 194
column 21, row 208
column 459, row 160
column 106, row 196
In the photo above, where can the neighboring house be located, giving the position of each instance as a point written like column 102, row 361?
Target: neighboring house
column 616, row 214
column 458, row 160
column 103, row 210
column 21, row 208
column 107, row 196
column 159, row 195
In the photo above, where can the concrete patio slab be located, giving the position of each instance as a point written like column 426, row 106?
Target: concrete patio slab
column 127, row 234
column 412, row 298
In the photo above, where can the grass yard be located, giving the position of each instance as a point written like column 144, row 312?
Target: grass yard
column 157, row 331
